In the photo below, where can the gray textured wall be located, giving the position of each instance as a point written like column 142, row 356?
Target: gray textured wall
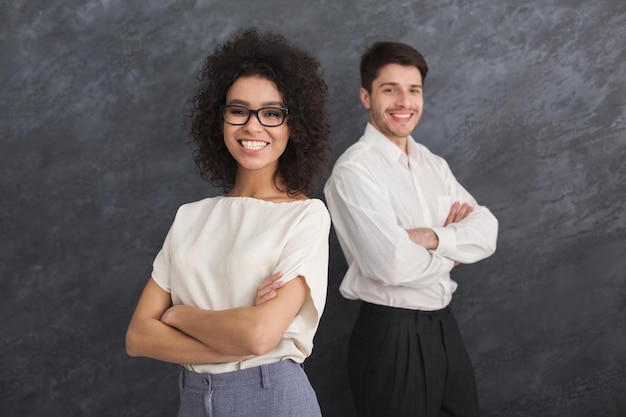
column 526, row 100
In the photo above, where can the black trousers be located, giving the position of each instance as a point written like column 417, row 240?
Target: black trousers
column 405, row 363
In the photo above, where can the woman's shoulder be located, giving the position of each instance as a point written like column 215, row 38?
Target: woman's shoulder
column 316, row 211
column 308, row 206
column 199, row 204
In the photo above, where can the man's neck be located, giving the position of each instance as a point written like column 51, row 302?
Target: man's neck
column 401, row 143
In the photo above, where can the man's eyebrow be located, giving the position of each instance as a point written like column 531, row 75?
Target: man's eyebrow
column 393, row 84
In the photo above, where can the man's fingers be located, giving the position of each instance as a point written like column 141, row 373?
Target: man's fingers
column 458, row 212
column 463, row 212
column 452, row 214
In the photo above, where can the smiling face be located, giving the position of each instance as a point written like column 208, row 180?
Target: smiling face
column 254, row 146
column 395, row 102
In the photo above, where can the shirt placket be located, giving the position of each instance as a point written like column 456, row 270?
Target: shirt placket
column 419, row 191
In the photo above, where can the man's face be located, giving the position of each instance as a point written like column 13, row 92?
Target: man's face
column 395, row 103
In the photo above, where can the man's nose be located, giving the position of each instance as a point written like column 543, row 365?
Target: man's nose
column 403, row 99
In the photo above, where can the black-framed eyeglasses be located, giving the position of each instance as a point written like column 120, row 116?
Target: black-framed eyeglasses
column 237, row 115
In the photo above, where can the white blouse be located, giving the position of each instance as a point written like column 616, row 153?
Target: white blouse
column 220, row 249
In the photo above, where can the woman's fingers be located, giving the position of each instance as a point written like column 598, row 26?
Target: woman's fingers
column 267, row 289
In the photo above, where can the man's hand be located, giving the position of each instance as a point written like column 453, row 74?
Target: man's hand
column 267, row 289
column 458, row 212
column 424, row 237
column 427, row 238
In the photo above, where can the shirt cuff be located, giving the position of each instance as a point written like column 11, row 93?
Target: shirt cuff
column 447, row 240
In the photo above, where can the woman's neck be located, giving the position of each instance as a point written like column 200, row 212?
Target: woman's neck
column 262, row 187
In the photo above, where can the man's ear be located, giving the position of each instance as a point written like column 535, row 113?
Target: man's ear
column 365, row 98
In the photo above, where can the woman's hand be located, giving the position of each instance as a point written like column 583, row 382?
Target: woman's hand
column 151, row 332
column 267, row 289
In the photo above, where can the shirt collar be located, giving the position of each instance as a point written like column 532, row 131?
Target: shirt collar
column 415, row 152
column 387, row 148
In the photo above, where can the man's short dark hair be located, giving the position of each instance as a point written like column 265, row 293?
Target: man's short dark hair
column 384, row 53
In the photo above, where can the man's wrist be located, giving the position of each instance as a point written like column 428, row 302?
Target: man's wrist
column 446, row 240
column 435, row 240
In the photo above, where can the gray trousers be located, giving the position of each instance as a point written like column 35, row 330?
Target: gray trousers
column 280, row 389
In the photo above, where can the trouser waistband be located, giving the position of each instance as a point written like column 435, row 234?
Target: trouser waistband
column 258, row 375
column 402, row 313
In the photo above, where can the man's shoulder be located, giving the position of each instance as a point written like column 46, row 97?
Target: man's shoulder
column 359, row 153
column 357, row 165
column 422, row 151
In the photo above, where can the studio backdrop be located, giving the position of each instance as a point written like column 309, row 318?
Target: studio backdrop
column 525, row 100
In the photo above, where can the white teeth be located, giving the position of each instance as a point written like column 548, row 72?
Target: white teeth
column 402, row 116
column 253, row 145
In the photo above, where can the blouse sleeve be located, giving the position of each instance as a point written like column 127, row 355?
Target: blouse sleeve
column 161, row 264
column 306, row 254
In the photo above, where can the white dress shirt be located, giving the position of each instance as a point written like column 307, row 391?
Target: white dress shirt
column 220, row 249
column 375, row 194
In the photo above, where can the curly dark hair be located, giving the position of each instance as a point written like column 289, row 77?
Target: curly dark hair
column 295, row 73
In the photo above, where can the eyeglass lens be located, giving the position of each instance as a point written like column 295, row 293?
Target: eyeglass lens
column 267, row 116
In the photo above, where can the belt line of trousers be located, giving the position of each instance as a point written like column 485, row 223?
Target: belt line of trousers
column 410, row 363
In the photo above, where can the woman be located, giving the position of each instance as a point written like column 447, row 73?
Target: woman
column 260, row 132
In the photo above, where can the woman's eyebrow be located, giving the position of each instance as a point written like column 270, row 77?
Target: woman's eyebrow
column 265, row 104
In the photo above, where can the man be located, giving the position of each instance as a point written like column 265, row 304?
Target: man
column 403, row 223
